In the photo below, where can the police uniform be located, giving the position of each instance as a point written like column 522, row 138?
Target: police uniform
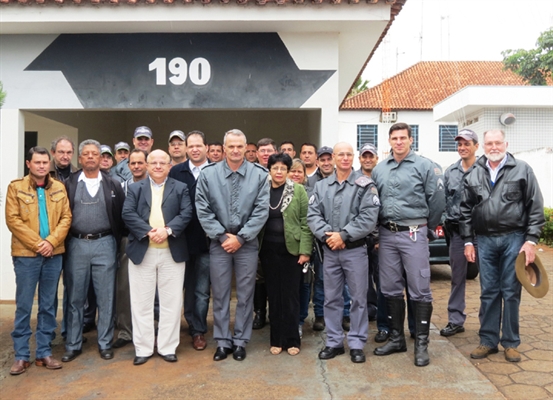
column 350, row 208
column 235, row 202
column 454, row 177
column 413, row 200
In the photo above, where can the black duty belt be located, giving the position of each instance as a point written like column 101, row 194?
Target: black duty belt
column 91, row 236
column 392, row 226
column 452, row 226
column 355, row 244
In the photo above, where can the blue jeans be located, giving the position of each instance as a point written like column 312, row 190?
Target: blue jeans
column 30, row 271
column 88, row 260
column 500, row 289
column 196, row 294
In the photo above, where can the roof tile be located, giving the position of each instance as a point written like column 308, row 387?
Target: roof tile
column 429, row 82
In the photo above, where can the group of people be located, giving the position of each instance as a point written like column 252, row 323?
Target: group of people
column 130, row 230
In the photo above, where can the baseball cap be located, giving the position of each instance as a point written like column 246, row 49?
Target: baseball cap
column 324, row 150
column 368, row 147
column 467, row 134
column 122, row 146
column 106, row 149
column 143, row 131
column 179, row 134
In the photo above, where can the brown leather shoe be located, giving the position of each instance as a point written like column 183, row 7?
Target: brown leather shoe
column 19, row 366
column 48, row 362
column 199, row 342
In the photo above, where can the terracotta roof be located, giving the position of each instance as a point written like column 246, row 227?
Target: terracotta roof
column 257, row 2
column 429, row 82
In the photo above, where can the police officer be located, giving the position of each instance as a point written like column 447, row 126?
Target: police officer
column 343, row 210
column 232, row 203
column 411, row 190
column 467, row 144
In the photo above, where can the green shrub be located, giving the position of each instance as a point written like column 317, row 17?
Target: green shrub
column 547, row 232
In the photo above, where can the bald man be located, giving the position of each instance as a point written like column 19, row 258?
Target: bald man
column 343, row 210
column 156, row 212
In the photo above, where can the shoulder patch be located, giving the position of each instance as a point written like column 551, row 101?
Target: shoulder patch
column 440, row 184
column 438, row 171
column 376, row 201
column 312, row 199
column 374, row 190
column 363, row 181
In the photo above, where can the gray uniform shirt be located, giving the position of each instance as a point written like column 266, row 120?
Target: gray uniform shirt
column 411, row 192
column 350, row 207
column 232, row 202
column 453, row 179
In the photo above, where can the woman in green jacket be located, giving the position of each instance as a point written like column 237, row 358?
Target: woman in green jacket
column 285, row 247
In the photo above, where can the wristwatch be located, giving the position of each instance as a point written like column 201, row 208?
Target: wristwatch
column 169, row 231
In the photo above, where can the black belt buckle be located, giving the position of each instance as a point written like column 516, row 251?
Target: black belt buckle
column 393, row 227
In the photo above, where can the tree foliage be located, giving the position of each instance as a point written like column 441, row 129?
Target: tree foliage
column 2, row 95
column 534, row 66
column 360, row 86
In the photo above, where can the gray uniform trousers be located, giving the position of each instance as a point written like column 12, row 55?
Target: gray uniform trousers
column 351, row 266
column 221, row 265
column 88, row 260
column 458, row 262
column 397, row 253
column 123, row 295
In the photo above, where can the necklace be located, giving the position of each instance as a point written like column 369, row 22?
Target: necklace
column 278, row 205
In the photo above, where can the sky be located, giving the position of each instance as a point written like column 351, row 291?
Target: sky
column 458, row 30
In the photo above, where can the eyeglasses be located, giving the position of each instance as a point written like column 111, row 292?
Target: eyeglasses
column 493, row 144
column 277, row 169
column 158, row 164
column 266, row 151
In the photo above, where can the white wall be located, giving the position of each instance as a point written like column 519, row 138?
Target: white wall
column 428, row 133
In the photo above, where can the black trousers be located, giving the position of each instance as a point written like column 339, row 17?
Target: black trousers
column 282, row 277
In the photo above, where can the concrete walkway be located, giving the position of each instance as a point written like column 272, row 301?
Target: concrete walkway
column 450, row 375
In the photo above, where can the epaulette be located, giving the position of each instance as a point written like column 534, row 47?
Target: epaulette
column 17, row 180
column 363, row 181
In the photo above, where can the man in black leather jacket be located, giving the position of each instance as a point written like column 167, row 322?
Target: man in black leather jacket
column 503, row 207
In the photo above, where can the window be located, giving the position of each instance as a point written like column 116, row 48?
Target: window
column 415, row 136
column 447, row 138
column 367, row 134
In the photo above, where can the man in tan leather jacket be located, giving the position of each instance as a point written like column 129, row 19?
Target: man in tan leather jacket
column 38, row 216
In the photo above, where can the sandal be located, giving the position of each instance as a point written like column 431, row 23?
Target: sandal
column 276, row 350
column 293, row 351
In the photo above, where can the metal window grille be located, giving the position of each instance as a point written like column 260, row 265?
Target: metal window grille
column 367, row 134
column 415, row 136
column 447, row 138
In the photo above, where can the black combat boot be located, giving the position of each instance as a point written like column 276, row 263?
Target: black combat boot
column 259, row 306
column 396, row 317
column 423, row 312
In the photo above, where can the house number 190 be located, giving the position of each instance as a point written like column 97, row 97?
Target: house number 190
column 199, row 71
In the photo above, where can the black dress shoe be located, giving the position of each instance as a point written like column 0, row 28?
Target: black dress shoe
column 120, row 343
column 70, row 355
column 381, row 336
column 169, row 357
column 140, row 360
column 221, row 353
column 357, row 356
column 89, row 327
column 451, row 329
column 239, row 353
column 106, row 354
column 259, row 319
column 330, row 352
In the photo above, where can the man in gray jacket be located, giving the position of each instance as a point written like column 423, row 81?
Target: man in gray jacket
column 411, row 190
column 343, row 210
column 503, row 206
column 232, row 203
column 467, row 144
